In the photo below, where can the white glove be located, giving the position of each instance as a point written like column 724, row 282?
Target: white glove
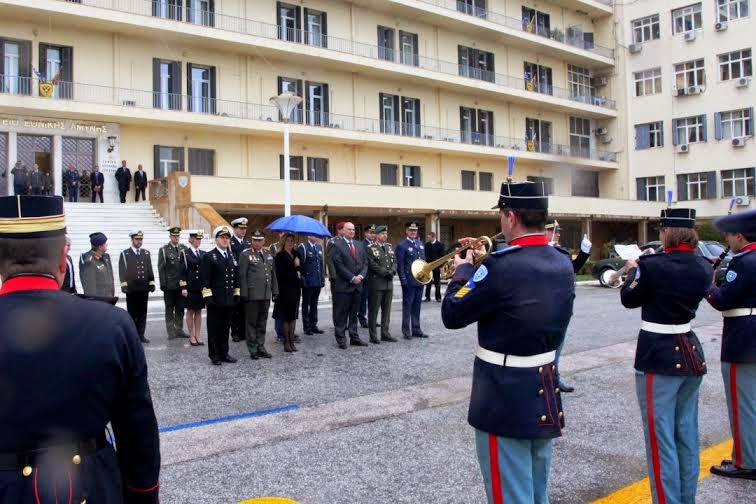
column 586, row 245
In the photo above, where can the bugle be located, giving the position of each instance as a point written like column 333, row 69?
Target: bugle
column 423, row 271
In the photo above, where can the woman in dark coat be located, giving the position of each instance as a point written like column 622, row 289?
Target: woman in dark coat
column 286, row 308
column 192, row 290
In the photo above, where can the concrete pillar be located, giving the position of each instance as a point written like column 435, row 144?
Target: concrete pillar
column 585, row 226
column 12, row 158
column 642, row 232
column 57, row 159
column 432, row 223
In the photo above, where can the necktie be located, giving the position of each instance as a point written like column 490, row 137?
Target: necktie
column 352, row 250
column 383, row 247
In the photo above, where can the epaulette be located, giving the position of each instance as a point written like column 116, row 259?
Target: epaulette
column 506, row 250
column 563, row 250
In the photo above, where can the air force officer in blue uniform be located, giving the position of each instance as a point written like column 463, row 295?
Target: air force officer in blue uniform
column 313, row 279
column 408, row 251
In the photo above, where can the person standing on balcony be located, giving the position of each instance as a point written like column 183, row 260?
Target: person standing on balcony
column 123, row 177
column 97, row 180
column 140, row 183
column 20, row 179
column 72, row 179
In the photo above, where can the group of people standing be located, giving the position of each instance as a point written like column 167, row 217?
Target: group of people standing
column 31, row 182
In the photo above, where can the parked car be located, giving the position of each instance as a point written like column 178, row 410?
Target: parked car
column 605, row 269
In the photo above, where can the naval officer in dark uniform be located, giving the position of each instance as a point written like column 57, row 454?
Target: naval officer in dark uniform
column 669, row 359
column 736, row 299
column 137, row 280
column 63, row 389
column 522, row 298
column 172, row 283
column 239, row 243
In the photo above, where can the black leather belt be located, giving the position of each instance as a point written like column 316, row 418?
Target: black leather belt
column 73, row 453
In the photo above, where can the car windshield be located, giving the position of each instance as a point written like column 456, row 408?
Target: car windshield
column 713, row 248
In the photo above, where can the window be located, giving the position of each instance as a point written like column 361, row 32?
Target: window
column 411, row 176
column 579, row 81
column 690, row 73
column 728, row 10
column 538, row 135
column 585, row 184
column 580, row 137
column 411, row 116
column 317, row 169
column 733, row 124
column 293, row 87
column 738, row 182
column 650, row 188
column 166, row 84
column 408, row 52
column 167, row 160
column 648, row 82
column 396, row 120
column 649, row 135
column 15, row 58
column 548, row 183
column 388, row 174
column 735, row 65
column 689, row 130
column 646, row 29
column 56, row 65
column 201, row 161
column 697, row 186
column 289, row 19
column 389, row 113
column 167, row 9
column 476, row 64
column 386, row 43
column 686, row 19
column 201, row 12
column 534, row 21
column 475, row 8
column 316, row 103
column 316, row 28
column 485, row 181
column 201, row 88
column 468, row 180
column 476, row 126
column 538, row 78
column 295, row 167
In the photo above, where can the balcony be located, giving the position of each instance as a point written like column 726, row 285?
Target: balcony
column 203, row 111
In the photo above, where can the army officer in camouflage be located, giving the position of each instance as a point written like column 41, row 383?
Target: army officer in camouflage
column 381, row 270
column 96, row 269
column 257, row 282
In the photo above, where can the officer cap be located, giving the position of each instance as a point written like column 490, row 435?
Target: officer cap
column 97, row 239
column 257, row 234
column 523, row 196
column 552, row 224
column 371, row 229
column 380, row 229
column 31, row 216
column 744, row 222
column 678, row 217
column 175, row 231
column 136, row 233
column 412, row 226
column 221, row 230
column 241, row 222
column 197, row 233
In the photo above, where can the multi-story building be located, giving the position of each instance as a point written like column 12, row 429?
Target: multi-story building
column 411, row 108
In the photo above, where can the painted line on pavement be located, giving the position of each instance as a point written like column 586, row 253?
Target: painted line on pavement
column 640, row 491
column 229, row 418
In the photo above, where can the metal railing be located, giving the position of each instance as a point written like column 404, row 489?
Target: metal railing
column 155, row 8
column 133, row 98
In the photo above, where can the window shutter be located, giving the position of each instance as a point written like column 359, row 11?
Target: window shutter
column 324, row 24
column 418, row 122
column 419, row 179
column 189, row 85
column 717, row 125
column 326, row 104
column 281, row 31
column 397, row 114
column 24, row 63
column 642, row 136
column 306, row 28
column 380, row 106
column 156, row 162
column 750, row 121
column 280, row 85
column 42, row 61
column 155, row 82
column 297, row 32
column 703, row 121
column 211, row 13
column 674, row 131
column 641, row 188
column 213, row 87
column 682, row 188
column 711, row 185
column 66, row 73
column 181, row 166
column 176, row 85
column 281, row 165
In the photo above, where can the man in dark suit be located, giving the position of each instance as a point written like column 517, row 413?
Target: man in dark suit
column 350, row 266
column 97, row 181
column 123, row 177
column 69, row 281
column 140, row 183
column 239, row 244
column 21, row 184
column 434, row 249
column 37, row 181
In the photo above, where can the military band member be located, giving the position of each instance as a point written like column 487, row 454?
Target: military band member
column 407, row 251
column 220, row 290
column 669, row 359
column 313, row 280
column 137, row 280
column 736, row 299
column 522, row 299
column 257, row 286
column 381, row 270
column 238, row 244
column 362, row 311
column 96, row 269
column 90, row 372
column 192, row 258
column 69, row 282
column 172, row 284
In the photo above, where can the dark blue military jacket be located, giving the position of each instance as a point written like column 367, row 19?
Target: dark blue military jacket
column 668, row 288
column 738, row 291
column 239, row 246
column 191, row 269
column 68, row 367
column 522, row 298
column 135, row 272
column 312, row 268
column 406, row 253
column 220, row 278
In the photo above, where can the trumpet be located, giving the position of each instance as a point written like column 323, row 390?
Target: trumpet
column 423, row 271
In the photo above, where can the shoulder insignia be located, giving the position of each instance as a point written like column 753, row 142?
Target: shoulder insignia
column 731, row 276
column 462, row 292
column 480, row 274
column 562, row 250
column 742, row 253
column 507, row 250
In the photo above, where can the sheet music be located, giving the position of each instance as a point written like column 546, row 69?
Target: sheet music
column 627, row 252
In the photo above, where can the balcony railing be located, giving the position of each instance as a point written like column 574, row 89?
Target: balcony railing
column 156, row 8
column 133, row 98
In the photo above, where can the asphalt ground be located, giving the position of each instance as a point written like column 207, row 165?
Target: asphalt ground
column 388, row 423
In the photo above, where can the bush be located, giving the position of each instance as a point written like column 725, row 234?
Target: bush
column 587, row 268
column 706, row 231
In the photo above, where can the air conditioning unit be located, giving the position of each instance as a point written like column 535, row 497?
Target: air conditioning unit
column 606, row 139
column 742, row 201
column 694, row 90
column 721, row 26
column 600, row 81
column 600, row 132
column 689, row 36
column 743, row 82
column 739, row 142
column 683, row 149
column 129, row 103
column 634, row 48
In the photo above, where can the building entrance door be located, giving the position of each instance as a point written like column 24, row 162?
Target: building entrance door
column 43, row 160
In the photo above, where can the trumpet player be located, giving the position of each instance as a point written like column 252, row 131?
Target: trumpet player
column 522, row 298
column 669, row 359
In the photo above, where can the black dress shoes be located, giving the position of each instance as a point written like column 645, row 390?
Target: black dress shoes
column 308, row 333
column 343, row 345
column 357, row 342
column 407, row 336
column 264, row 354
column 253, row 356
column 375, row 341
column 143, row 339
column 216, row 362
column 421, row 335
column 565, row 388
column 228, row 358
column 389, row 338
column 317, row 331
column 363, row 324
column 733, row 471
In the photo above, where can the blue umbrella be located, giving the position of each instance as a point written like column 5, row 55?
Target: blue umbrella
column 299, row 224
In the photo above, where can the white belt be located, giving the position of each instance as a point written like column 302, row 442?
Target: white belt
column 665, row 328
column 517, row 361
column 739, row 312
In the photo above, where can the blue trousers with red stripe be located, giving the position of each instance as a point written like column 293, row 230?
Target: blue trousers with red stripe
column 740, row 389
column 515, row 471
column 669, row 408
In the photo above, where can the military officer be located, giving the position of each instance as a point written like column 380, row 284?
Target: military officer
column 238, row 244
column 380, row 280
column 96, row 269
column 71, row 179
column 220, row 290
column 369, row 238
column 553, row 233
column 37, row 180
column 69, row 282
column 172, row 283
column 21, row 182
column 257, row 286
column 669, row 359
column 192, row 259
column 407, row 251
column 522, row 298
column 137, row 280
column 736, row 299
column 313, row 280
column 85, row 370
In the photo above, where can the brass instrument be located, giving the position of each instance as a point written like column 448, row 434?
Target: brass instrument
column 423, row 271
column 616, row 279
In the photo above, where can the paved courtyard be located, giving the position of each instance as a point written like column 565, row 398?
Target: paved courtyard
column 387, row 423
